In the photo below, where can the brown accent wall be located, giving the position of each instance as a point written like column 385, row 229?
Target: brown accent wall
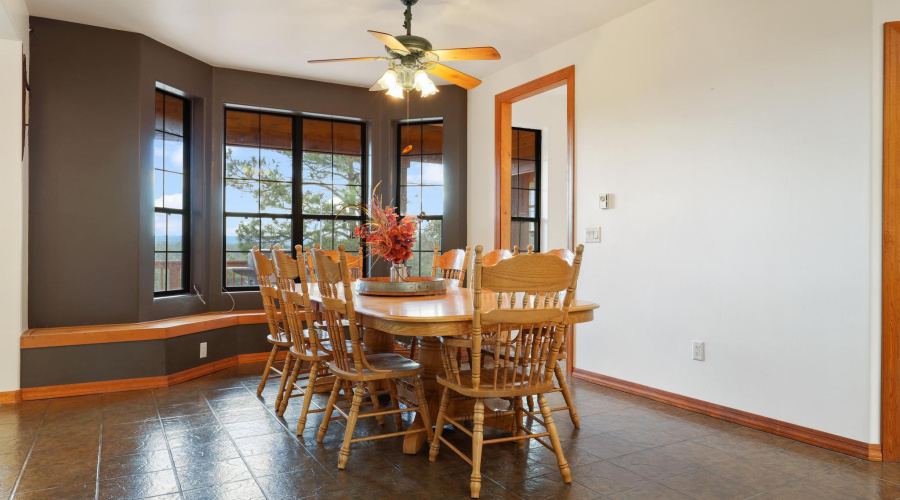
column 91, row 177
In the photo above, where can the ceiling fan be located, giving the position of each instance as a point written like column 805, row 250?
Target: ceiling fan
column 410, row 57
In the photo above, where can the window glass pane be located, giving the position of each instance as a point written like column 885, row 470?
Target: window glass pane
column 514, row 172
column 514, row 147
column 413, row 264
column 174, row 264
column 411, row 139
column 430, row 234
column 173, row 189
column 241, row 163
column 157, row 188
column 277, row 131
column 276, row 165
column 433, row 200
column 174, row 236
column 158, row 150
column 241, row 128
column 410, row 170
column 317, row 135
column 526, row 145
column 159, row 272
column 526, row 174
column 412, row 198
column 317, row 168
column 346, row 199
column 174, row 153
column 344, row 234
column 174, row 115
column 317, row 199
column 159, row 231
column 275, row 197
column 238, row 271
column 241, row 233
column 347, row 138
column 432, row 138
column 241, row 196
column 318, row 231
column 275, row 232
column 160, row 109
column 347, row 169
column 433, row 170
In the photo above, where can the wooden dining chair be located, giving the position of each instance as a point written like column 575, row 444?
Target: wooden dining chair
column 563, row 387
column 530, row 296
column 354, row 366
column 354, row 262
column 450, row 266
column 308, row 347
column 278, row 338
column 495, row 256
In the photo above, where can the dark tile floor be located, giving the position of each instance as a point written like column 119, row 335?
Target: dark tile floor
column 213, row 438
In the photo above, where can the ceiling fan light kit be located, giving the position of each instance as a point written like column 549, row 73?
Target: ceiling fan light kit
column 410, row 59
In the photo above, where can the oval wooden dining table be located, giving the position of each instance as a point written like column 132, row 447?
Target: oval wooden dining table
column 429, row 318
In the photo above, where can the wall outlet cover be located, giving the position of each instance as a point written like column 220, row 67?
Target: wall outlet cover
column 203, row 350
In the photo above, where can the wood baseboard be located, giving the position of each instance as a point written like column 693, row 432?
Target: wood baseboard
column 10, row 397
column 134, row 384
column 847, row 446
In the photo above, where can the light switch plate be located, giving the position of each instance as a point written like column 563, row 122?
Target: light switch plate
column 592, row 235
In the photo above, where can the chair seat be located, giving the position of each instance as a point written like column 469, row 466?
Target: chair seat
column 280, row 339
column 486, row 388
column 394, row 364
column 322, row 354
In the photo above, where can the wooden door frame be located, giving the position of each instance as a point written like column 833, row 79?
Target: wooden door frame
column 890, row 256
column 503, row 160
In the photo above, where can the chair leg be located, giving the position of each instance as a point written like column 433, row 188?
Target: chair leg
column 561, row 378
column 395, row 403
column 413, row 348
column 375, row 405
column 265, row 376
column 518, row 422
column 285, row 374
column 292, row 380
column 423, row 405
column 477, row 442
column 351, row 424
column 530, row 400
column 554, row 439
column 307, row 396
column 332, row 400
column 439, row 425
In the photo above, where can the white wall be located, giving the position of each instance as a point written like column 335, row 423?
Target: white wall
column 738, row 138
column 547, row 112
column 13, row 190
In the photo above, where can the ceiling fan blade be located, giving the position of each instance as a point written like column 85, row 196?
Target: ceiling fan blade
column 391, row 42
column 467, row 54
column 376, row 87
column 455, row 76
column 349, row 59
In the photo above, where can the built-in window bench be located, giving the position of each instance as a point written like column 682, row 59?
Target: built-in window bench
column 71, row 361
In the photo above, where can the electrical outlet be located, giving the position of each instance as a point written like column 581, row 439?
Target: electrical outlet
column 699, row 350
column 592, row 235
column 202, row 350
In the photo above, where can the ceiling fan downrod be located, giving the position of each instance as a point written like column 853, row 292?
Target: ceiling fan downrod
column 407, row 23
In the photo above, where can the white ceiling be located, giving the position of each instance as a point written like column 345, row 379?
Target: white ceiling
column 279, row 36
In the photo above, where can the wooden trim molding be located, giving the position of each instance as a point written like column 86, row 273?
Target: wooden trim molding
column 503, row 148
column 890, row 250
column 806, row 435
column 10, row 397
column 132, row 332
column 135, row 384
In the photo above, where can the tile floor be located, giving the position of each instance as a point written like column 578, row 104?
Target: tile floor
column 213, row 438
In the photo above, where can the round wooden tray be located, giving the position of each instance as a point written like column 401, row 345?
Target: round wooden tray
column 412, row 287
